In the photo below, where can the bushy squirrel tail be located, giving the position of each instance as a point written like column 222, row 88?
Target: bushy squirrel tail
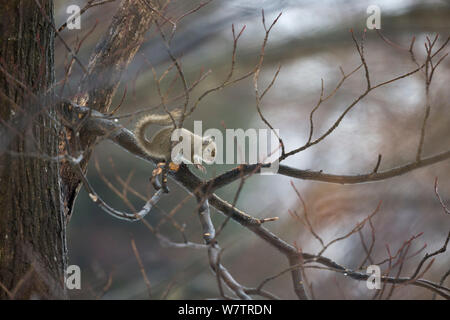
column 159, row 119
column 154, row 119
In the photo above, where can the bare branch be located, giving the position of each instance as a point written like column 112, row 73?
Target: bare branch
column 446, row 209
column 141, row 267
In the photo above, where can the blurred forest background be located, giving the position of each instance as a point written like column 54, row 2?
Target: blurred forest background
column 310, row 41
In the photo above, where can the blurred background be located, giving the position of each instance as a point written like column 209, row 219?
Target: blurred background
column 311, row 41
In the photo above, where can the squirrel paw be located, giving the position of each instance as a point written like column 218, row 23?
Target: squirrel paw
column 201, row 168
column 173, row 166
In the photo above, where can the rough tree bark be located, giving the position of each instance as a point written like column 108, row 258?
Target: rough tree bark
column 37, row 195
column 111, row 57
column 32, row 226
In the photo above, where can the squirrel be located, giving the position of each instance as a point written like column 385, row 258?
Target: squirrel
column 160, row 144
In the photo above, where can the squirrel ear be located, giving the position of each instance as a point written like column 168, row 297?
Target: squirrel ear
column 208, row 139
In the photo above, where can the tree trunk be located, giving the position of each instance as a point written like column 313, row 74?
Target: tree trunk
column 32, row 223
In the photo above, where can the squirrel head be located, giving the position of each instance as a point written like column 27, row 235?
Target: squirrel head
column 209, row 150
